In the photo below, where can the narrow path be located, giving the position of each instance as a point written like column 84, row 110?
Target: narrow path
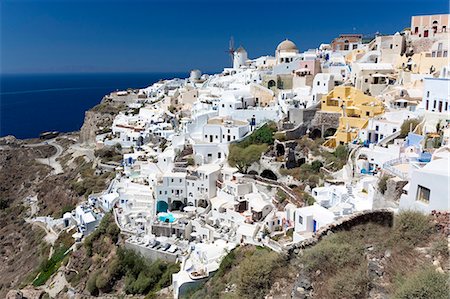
column 50, row 161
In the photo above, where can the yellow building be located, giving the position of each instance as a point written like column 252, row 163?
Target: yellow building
column 422, row 63
column 354, row 55
column 355, row 107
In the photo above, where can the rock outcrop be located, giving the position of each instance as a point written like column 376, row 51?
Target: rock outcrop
column 394, row 187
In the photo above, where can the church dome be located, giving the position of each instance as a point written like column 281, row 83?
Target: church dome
column 287, row 46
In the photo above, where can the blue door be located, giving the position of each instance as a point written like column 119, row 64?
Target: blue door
column 161, row 206
column 314, row 225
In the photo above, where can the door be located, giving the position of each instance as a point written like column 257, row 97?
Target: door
column 314, row 225
column 425, row 33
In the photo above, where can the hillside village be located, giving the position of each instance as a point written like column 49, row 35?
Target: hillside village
column 271, row 153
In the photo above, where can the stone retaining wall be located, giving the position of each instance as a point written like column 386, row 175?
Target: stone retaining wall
column 152, row 254
column 327, row 119
column 382, row 217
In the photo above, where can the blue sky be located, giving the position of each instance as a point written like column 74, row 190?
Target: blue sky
column 171, row 36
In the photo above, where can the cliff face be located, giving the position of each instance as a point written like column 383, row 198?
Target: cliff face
column 93, row 122
column 99, row 119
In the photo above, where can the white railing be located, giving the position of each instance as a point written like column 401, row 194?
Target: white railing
column 389, row 166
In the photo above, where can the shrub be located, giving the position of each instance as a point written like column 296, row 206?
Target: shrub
column 281, row 195
column 382, row 183
column 190, row 161
column 264, row 134
column 102, row 283
column 143, row 276
column 226, row 263
column 107, row 227
column 316, row 165
column 91, row 285
column 341, row 152
column 331, row 254
column 280, row 136
column 425, row 283
column 440, row 247
column 49, row 267
column 412, row 227
column 255, row 274
column 350, row 283
column 308, row 199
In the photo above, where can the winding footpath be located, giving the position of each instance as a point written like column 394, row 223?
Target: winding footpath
column 50, row 161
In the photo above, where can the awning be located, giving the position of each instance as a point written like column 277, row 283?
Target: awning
column 379, row 75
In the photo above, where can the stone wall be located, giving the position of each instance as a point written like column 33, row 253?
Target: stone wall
column 382, row 217
column 327, row 119
column 152, row 254
column 394, row 188
column 300, row 115
column 297, row 132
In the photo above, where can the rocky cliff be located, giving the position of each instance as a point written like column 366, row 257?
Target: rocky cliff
column 99, row 119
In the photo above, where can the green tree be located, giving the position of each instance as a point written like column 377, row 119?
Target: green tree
column 242, row 158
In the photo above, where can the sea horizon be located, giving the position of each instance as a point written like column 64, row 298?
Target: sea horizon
column 32, row 103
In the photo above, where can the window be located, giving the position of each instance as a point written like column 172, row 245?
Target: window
column 318, row 83
column 345, row 47
column 416, row 30
column 209, row 155
column 428, row 94
column 172, row 180
column 219, row 155
column 423, row 194
column 367, row 113
column 391, row 46
column 434, row 104
column 366, row 80
column 377, row 128
column 445, row 54
column 180, row 180
column 355, row 46
column 300, row 219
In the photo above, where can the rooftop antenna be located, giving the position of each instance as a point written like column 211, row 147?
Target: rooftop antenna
column 231, row 49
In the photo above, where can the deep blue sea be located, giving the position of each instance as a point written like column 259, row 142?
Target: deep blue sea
column 34, row 103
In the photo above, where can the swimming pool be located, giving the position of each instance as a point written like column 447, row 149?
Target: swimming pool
column 167, row 217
